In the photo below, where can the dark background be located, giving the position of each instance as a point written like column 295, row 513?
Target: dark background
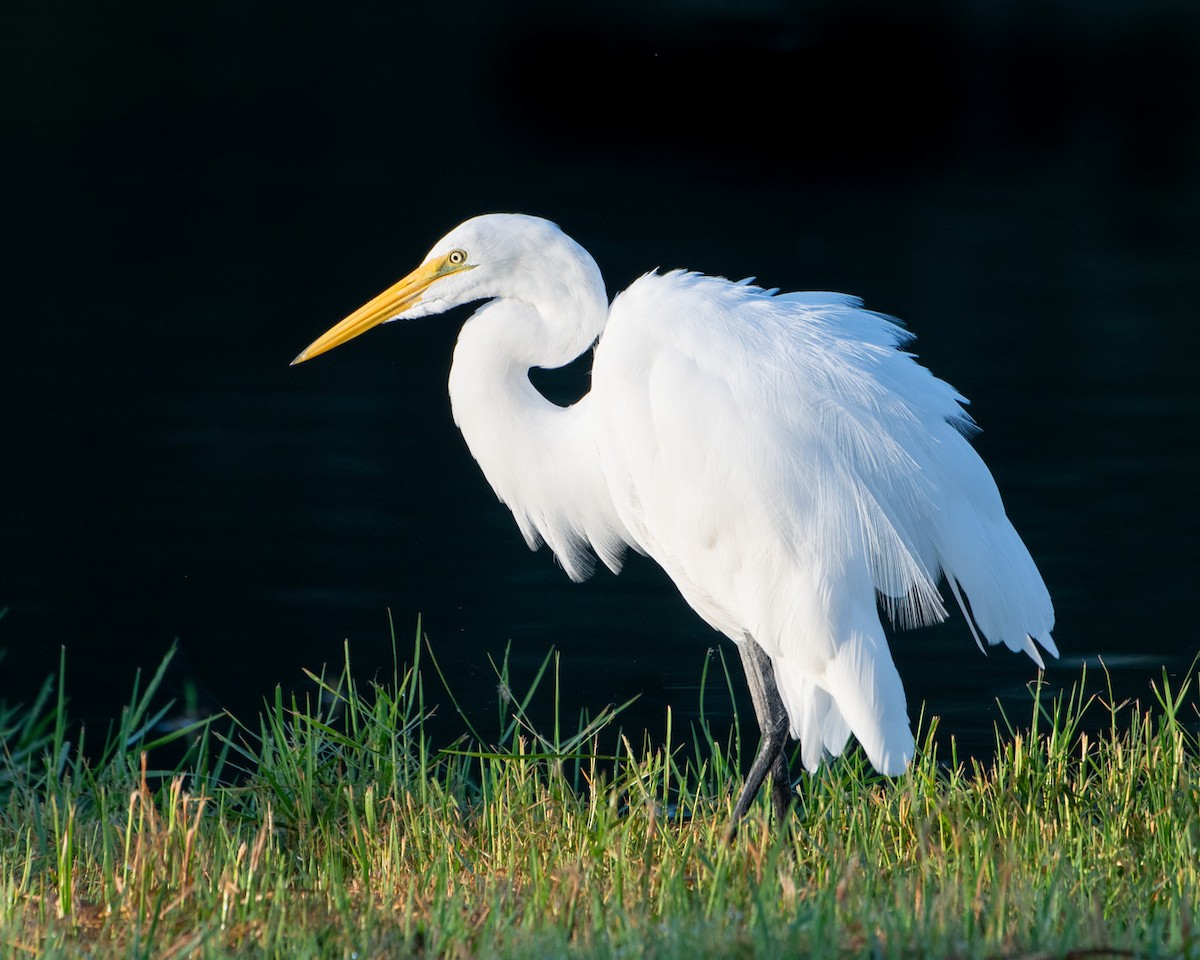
column 193, row 192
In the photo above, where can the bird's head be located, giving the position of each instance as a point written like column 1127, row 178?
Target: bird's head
column 494, row 255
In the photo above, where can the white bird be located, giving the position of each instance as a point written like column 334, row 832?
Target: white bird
column 788, row 465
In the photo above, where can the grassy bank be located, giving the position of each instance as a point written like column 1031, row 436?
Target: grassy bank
column 333, row 829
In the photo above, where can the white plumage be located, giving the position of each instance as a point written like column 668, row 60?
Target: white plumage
column 781, row 457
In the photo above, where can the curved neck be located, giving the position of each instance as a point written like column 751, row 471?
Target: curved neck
column 505, row 420
column 541, row 459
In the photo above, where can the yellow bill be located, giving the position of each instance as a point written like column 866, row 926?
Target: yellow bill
column 389, row 304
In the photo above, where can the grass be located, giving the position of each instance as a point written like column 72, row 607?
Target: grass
column 335, row 829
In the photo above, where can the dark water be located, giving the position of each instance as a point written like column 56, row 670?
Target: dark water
column 194, row 195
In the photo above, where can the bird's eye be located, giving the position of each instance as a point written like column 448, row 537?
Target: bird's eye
column 456, row 257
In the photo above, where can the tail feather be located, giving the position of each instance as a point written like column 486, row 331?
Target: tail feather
column 858, row 691
column 815, row 719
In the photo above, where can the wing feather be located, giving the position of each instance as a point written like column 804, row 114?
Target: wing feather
column 786, row 463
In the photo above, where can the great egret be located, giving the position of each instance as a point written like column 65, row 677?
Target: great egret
column 776, row 453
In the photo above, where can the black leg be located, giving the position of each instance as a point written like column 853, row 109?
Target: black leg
column 773, row 726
